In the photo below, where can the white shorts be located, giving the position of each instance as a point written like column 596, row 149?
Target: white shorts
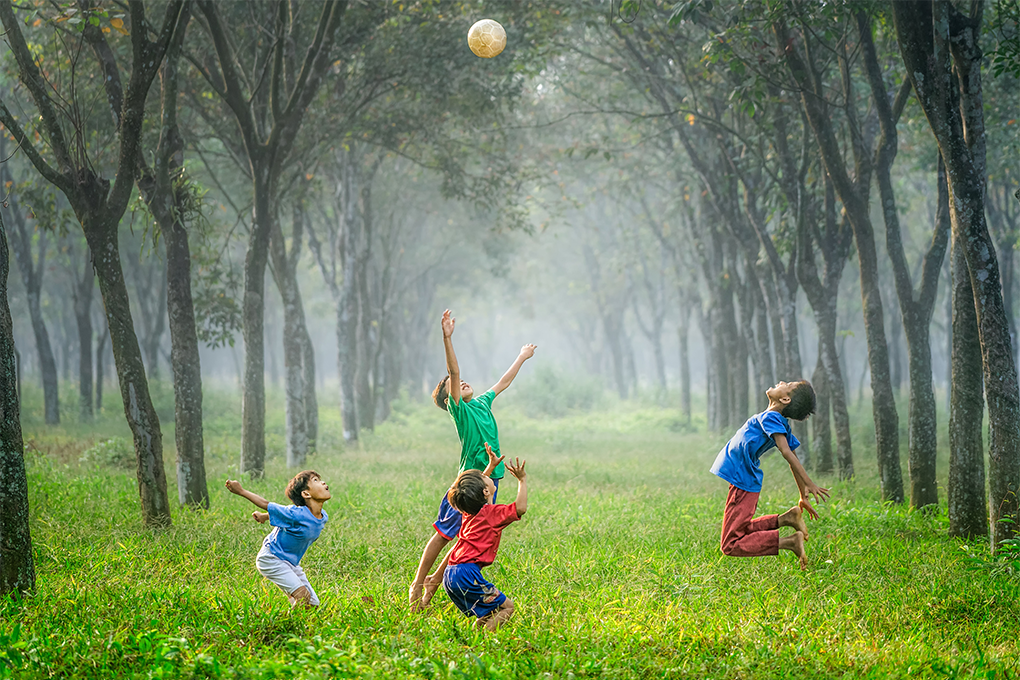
column 284, row 574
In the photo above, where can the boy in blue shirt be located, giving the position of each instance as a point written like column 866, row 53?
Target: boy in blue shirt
column 744, row 535
column 295, row 528
column 475, row 426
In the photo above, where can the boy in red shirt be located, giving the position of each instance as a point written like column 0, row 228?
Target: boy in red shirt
column 478, row 542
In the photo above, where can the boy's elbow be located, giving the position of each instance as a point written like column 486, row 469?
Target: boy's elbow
column 521, row 509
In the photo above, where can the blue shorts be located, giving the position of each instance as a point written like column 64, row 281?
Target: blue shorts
column 448, row 519
column 473, row 595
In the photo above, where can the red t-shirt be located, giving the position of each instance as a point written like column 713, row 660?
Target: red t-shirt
column 478, row 539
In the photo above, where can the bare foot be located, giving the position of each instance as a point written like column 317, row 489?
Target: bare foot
column 797, row 548
column 794, row 517
column 414, row 597
column 428, row 590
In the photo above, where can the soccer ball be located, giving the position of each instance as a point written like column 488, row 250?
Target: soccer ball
column 486, row 38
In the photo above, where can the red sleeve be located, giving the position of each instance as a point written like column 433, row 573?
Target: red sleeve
column 505, row 515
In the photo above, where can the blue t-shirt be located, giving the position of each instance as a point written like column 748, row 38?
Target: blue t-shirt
column 737, row 463
column 296, row 529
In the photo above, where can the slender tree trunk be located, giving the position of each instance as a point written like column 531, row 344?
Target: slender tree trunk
column 192, row 489
column 836, row 389
column 854, row 199
column 17, row 571
column 821, row 432
column 101, row 232
column 253, row 400
column 310, row 398
column 100, row 372
column 83, row 315
column 685, row 367
column 968, row 509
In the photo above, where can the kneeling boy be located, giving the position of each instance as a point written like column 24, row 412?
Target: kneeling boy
column 744, row 535
column 295, row 528
column 478, row 542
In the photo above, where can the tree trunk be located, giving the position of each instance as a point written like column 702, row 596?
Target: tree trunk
column 17, row 571
column 253, row 400
column 931, row 36
column 83, row 315
column 821, row 432
column 836, row 389
column 854, row 199
column 192, row 489
column 968, row 509
column 685, row 368
column 311, row 400
column 100, row 372
column 31, row 277
column 101, row 232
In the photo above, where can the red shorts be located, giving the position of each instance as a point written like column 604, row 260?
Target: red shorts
column 744, row 535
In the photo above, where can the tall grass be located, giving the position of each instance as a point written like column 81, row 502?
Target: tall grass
column 615, row 569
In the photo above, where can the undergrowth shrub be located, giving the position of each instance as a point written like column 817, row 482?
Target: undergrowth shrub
column 116, row 453
column 552, row 393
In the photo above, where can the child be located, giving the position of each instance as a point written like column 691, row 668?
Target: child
column 475, row 426
column 295, row 528
column 474, row 494
column 737, row 463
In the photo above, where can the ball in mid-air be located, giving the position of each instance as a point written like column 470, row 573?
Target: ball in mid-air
column 486, row 38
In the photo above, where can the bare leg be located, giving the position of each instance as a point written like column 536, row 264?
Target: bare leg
column 428, row 558
column 301, row 597
column 795, row 544
column 500, row 616
column 794, row 517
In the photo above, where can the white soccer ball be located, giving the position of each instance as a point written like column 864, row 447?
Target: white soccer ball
column 486, row 38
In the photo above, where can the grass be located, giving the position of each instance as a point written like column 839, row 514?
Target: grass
column 616, row 568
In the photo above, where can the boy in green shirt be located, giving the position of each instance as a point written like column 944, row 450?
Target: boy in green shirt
column 476, row 427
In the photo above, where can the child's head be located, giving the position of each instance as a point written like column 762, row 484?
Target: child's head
column 796, row 400
column 305, row 486
column 442, row 391
column 471, row 491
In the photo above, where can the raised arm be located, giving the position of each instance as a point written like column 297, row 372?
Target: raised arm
column 451, row 357
column 494, row 461
column 527, row 352
column 804, row 484
column 516, row 468
column 235, row 487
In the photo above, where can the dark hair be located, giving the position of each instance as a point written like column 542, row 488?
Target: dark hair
column 440, row 393
column 468, row 493
column 299, row 484
column 802, row 401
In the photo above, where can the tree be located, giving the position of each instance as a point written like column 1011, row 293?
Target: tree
column 32, row 269
column 942, row 56
column 17, row 571
column 99, row 207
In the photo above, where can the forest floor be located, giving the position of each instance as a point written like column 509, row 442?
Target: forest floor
column 616, row 568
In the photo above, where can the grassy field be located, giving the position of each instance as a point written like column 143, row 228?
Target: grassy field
column 616, row 568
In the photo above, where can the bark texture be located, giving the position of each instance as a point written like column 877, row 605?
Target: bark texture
column 17, row 570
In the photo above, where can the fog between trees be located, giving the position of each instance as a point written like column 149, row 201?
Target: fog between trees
column 657, row 195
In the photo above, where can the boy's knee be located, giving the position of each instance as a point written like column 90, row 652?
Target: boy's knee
column 728, row 546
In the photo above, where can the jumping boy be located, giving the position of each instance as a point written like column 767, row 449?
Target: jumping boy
column 295, row 528
column 474, row 494
column 737, row 463
column 475, row 426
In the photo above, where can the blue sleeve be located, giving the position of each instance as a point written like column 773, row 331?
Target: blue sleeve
column 281, row 515
column 773, row 423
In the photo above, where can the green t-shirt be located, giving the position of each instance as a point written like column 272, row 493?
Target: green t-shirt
column 475, row 426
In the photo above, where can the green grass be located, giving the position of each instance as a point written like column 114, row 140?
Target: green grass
column 615, row 569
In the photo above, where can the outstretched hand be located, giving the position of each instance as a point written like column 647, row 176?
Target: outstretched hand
column 528, row 350
column 234, row 486
column 448, row 324
column 806, row 507
column 494, row 460
column 516, row 468
column 260, row 517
